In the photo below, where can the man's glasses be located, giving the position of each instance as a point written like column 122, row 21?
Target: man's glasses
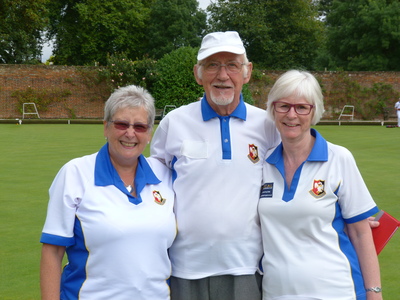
column 213, row 67
column 123, row 125
column 300, row 109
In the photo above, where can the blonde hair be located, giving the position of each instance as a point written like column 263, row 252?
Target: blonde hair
column 300, row 84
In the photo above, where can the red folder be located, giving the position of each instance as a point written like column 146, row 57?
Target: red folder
column 384, row 232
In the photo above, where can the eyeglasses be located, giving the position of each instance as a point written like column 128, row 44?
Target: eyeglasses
column 123, row 125
column 300, row 109
column 213, row 67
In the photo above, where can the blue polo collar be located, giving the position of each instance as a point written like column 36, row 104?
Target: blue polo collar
column 208, row 113
column 105, row 174
column 319, row 151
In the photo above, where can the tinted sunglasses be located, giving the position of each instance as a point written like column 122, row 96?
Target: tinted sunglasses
column 123, row 125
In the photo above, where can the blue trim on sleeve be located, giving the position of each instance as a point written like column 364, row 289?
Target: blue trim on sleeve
column 105, row 174
column 52, row 239
column 363, row 216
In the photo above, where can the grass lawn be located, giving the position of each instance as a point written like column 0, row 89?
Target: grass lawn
column 377, row 152
column 32, row 154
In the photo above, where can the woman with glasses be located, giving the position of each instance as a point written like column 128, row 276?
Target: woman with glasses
column 314, row 206
column 111, row 213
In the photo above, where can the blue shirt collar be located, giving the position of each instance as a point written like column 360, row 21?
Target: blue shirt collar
column 208, row 113
column 319, row 152
column 105, row 174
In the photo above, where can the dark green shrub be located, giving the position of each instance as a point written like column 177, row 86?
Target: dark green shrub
column 175, row 83
column 247, row 97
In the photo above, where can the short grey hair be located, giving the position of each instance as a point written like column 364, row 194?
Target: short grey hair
column 299, row 84
column 130, row 96
column 245, row 66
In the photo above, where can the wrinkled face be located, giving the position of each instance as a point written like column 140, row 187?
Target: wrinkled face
column 126, row 145
column 223, row 87
column 292, row 125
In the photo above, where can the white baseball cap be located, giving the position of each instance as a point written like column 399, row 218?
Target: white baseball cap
column 216, row 42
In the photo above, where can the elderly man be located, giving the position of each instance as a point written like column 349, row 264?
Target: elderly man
column 215, row 148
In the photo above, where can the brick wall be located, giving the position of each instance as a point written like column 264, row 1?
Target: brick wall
column 334, row 97
column 365, row 79
column 87, row 98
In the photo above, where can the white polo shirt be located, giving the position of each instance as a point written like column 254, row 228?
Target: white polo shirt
column 217, row 165
column 116, row 243
column 306, row 251
column 397, row 107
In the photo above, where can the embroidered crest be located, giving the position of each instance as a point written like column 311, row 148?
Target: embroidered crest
column 318, row 189
column 158, row 198
column 253, row 153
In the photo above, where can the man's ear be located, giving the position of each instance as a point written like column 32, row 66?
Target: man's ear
column 198, row 80
column 248, row 75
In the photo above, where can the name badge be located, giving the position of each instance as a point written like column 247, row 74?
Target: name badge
column 267, row 190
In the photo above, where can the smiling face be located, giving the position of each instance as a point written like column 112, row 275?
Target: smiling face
column 291, row 125
column 125, row 146
column 223, row 88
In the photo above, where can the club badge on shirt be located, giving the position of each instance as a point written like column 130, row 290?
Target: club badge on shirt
column 158, row 198
column 253, row 153
column 318, row 188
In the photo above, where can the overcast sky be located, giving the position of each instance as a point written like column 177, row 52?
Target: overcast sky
column 204, row 3
column 46, row 52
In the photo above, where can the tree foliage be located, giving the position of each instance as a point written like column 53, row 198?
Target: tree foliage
column 278, row 34
column 175, row 80
column 86, row 31
column 364, row 35
column 20, row 30
column 174, row 24
column 324, row 8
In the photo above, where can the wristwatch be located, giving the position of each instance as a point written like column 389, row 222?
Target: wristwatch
column 375, row 289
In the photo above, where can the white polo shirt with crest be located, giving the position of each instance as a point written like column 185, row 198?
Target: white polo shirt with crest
column 117, row 244
column 306, row 250
column 217, row 168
